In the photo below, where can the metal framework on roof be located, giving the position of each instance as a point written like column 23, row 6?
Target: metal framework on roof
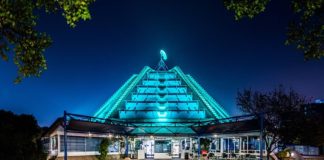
column 83, row 123
column 161, row 97
column 152, row 89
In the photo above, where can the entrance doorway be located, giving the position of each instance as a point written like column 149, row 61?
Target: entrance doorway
column 148, row 148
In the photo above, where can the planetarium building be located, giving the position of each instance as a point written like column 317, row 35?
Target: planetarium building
column 159, row 113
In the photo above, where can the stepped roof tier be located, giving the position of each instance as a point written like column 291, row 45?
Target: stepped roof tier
column 155, row 98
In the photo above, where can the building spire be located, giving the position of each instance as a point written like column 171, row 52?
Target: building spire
column 161, row 65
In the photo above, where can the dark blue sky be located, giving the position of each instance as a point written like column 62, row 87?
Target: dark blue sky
column 88, row 63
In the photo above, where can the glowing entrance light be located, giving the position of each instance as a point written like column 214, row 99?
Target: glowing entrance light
column 163, row 55
column 162, row 114
column 110, row 135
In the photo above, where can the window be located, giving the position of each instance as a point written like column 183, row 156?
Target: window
column 74, row 144
column 225, row 145
column 46, row 144
column 186, row 144
column 254, row 143
column 244, row 144
column 162, row 147
column 54, row 142
column 114, row 147
column 93, row 143
column 215, row 145
column 138, row 145
column 231, row 145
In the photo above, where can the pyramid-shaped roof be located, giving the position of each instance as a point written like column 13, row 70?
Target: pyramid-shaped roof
column 161, row 96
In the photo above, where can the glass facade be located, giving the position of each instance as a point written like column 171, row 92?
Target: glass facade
column 254, row 143
column 84, row 144
column 244, row 145
column 46, row 144
column 92, row 143
column 114, row 147
column 162, row 146
column 75, row 144
column 216, row 145
column 231, row 145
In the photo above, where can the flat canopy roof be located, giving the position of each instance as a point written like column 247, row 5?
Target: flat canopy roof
column 82, row 123
column 95, row 127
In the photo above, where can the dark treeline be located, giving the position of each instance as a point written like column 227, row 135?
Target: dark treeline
column 289, row 117
column 20, row 137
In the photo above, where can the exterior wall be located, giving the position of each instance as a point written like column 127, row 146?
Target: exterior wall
column 190, row 148
column 241, row 148
column 58, row 151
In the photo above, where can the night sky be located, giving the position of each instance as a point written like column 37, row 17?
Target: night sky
column 88, row 63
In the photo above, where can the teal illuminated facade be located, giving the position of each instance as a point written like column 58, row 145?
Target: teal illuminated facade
column 161, row 101
column 159, row 113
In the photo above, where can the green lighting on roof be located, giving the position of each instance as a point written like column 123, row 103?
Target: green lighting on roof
column 162, row 107
column 162, row 119
column 156, row 98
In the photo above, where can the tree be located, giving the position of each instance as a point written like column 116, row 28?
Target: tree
column 20, row 38
column 305, row 31
column 103, row 148
column 20, row 137
column 281, row 110
column 313, row 129
column 205, row 143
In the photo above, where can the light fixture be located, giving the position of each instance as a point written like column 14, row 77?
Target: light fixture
column 162, row 114
column 162, row 107
column 162, row 119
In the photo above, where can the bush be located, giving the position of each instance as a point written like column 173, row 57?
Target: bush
column 103, row 148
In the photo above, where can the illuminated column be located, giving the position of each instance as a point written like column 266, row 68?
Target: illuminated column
column 221, row 145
